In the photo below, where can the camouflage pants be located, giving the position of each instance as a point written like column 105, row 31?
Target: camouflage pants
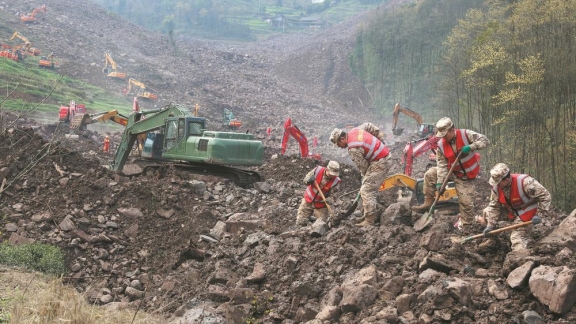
column 518, row 237
column 376, row 173
column 464, row 189
column 306, row 210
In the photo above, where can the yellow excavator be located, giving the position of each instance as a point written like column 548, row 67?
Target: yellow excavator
column 423, row 129
column 416, row 186
column 111, row 71
column 27, row 46
column 81, row 122
column 142, row 92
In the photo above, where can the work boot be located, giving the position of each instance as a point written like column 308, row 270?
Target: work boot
column 428, row 201
column 368, row 221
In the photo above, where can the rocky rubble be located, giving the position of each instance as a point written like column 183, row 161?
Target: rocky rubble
column 199, row 249
column 179, row 243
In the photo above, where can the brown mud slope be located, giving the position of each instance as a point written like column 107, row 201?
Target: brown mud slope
column 147, row 239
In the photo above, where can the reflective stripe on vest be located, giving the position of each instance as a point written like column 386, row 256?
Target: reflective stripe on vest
column 311, row 193
column 518, row 199
column 470, row 162
column 373, row 149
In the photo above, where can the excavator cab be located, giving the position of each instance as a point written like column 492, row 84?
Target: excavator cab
column 425, row 129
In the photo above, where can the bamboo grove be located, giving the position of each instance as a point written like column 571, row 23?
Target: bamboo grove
column 502, row 67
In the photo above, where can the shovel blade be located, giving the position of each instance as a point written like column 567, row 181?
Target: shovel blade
column 352, row 207
column 423, row 221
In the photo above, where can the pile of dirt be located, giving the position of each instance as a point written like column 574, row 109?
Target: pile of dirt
column 204, row 249
column 179, row 244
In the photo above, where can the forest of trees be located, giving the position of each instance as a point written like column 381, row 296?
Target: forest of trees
column 505, row 68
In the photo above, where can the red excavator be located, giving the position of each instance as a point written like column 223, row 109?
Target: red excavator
column 32, row 17
column 67, row 113
column 423, row 145
column 292, row 130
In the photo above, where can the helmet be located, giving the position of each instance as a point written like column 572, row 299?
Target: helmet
column 442, row 126
column 333, row 168
column 497, row 173
column 335, row 135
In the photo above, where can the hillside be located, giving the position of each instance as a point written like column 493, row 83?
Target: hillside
column 144, row 240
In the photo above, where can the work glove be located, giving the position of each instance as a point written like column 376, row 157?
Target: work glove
column 488, row 229
column 310, row 180
column 466, row 149
column 536, row 220
column 438, row 186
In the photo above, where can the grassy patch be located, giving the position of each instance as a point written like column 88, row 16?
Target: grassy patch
column 36, row 256
column 28, row 298
column 24, row 87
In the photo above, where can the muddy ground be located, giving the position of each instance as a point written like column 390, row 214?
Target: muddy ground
column 199, row 249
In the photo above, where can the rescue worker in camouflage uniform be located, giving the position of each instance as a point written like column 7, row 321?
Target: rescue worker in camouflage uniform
column 518, row 198
column 452, row 142
column 328, row 181
column 370, row 154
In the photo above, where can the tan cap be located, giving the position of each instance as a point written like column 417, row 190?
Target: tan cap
column 498, row 172
column 333, row 168
column 335, row 135
column 442, row 126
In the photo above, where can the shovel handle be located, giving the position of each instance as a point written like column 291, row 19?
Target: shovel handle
column 444, row 183
column 496, row 231
column 322, row 195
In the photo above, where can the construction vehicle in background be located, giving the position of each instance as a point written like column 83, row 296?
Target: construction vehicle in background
column 229, row 120
column 26, row 46
column 67, row 113
column 423, row 130
column 292, row 130
column 416, row 187
column 32, row 16
column 47, row 61
column 142, row 90
column 422, row 146
column 111, row 71
column 175, row 136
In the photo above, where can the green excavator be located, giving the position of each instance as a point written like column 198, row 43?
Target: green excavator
column 175, row 136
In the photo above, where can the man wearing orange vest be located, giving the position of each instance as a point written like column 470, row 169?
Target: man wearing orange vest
column 328, row 181
column 370, row 154
column 452, row 142
column 518, row 198
column 106, row 148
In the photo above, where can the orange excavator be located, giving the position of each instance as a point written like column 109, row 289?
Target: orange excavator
column 142, row 92
column 423, row 129
column 292, row 130
column 32, row 16
column 111, row 71
column 47, row 61
column 229, row 120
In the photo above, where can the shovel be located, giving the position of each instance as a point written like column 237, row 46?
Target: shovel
column 500, row 230
column 426, row 218
column 354, row 205
column 326, row 203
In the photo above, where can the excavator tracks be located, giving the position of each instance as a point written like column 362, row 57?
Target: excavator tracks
column 240, row 177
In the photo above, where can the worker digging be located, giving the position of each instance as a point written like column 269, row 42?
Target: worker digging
column 366, row 148
column 322, row 183
column 452, row 142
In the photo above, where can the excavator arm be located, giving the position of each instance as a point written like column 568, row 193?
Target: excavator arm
column 416, row 186
column 292, row 130
column 111, row 72
column 423, row 145
column 141, row 122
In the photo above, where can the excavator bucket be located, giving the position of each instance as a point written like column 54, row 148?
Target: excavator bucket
column 80, row 121
column 397, row 131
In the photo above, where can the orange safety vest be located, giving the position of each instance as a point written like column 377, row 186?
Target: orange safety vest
column 311, row 194
column 469, row 164
column 374, row 150
column 519, row 204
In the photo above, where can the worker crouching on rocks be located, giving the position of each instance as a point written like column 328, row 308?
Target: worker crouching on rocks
column 328, row 181
column 517, row 198
column 368, row 151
